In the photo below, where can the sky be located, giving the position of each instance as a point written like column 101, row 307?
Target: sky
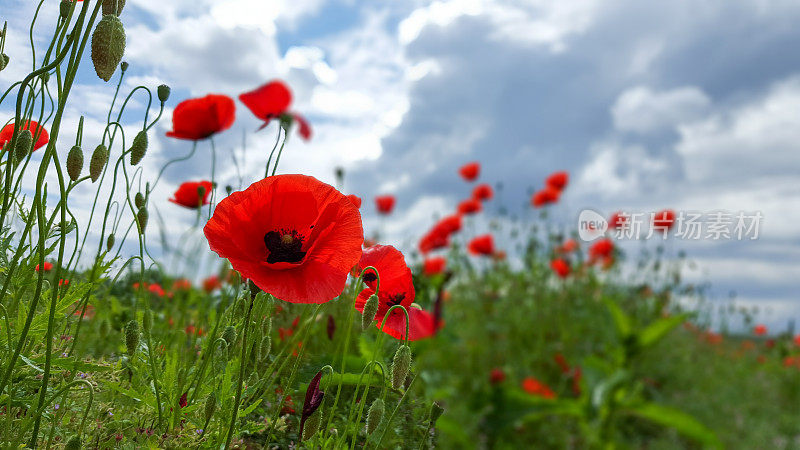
column 679, row 104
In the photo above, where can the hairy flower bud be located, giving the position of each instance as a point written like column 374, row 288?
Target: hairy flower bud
column 147, row 322
column 400, row 365
column 110, row 242
column 210, row 407
column 163, row 93
column 108, row 46
column 75, row 163
column 229, row 335
column 98, row 162
column 4, row 59
column 132, row 337
column 138, row 148
column 113, row 7
column 123, row 66
column 138, row 200
column 311, row 426
column 370, row 310
column 24, row 144
column 436, row 412
column 64, row 8
column 74, row 443
column 266, row 347
column 141, row 219
column 375, row 415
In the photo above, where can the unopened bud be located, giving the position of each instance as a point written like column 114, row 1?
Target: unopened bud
column 311, row 426
column 110, row 242
column 141, row 219
column 229, row 189
column 74, row 443
column 45, row 77
column 370, row 310
column 375, row 415
column 64, row 8
column 163, row 93
column 436, row 412
column 75, row 163
column 24, row 144
column 123, row 66
column 266, row 347
column 138, row 200
column 4, row 59
column 266, row 326
column 147, row 322
column 108, row 46
column 139, row 147
column 211, row 406
column 229, row 335
column 98, row 162
column 132, row 337
column 113, row 7
column 400, row 366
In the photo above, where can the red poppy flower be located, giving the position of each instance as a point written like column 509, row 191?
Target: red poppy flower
column 200, row 118
column 181, row 285
column 557, row 180
column 482, row 245
column 497, row 376
column 292, row 235
column 272, row 101
column 355, row 199
column 63, row 282
column 434, row 266
column 183, row 402
column 544, row 197
column 188, row 194
column 470, row 171
column 664, row 220
column 448, row 225
column 8, row 132
column 601, row 249
column 211, row 284
column 562, row 363
column 156, row 289
column 47, row 266
column 482, row 192
column 535, row 387
column 385, row 204
column 433, row 240
column 617, row 220
column 569, row 246
column 560, row 267
column 797, row 340
column 470, row 206
column 760, row 330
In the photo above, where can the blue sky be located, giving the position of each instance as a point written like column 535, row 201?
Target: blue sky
column 681, row 104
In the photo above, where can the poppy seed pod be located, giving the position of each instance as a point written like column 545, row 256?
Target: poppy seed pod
column 138, row 200
column 375, row 415
column 138, row 148
column 400, row 365
column 210, row 407
column 98, row 162
column 64, row 8
column 370, row 310
column 24, row 144
column 74, row 443
column 132, row 337
column 113, row 7
column 141, row 219
column 147, row 322
column 108, row 46
column 110, row 242
column 436, row 412
column 229, row 335
column 163, row 93
column 4, row 59
column 311, row 425
column 74, row 163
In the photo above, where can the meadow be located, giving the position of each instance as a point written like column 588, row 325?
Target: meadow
column 314, row 333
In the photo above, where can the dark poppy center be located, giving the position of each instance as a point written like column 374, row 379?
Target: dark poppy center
column 369, row 277
column 395, row 299
column 284, row 246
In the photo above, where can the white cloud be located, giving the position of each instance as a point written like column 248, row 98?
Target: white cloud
column 642, row 110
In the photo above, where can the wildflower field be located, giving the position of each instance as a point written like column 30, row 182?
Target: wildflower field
column 311, row 329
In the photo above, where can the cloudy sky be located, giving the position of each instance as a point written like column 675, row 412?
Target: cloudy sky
column 688, row 105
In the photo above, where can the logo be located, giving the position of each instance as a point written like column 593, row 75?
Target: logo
column 591, row 225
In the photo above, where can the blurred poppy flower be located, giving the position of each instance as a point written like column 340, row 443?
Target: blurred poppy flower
column 183, row 402
column 272, row 101
column 47, row 266
column 482, row 192
column 433, row 240
column 156, row 289
column 181, row 284
column 200, row 118
column 601, row 249
column 760, row 330
column 7, row 133
column 617, row 220
column 664, row 220
column 561, row 361
column 355, row 199
column 560, row 267
column 448, row 224
column 211, row 284
column 189, row 194
column 557, row 180
column 569, row 246
column 470, row 171
column 535, row 387
column 797, row 340
column 385, row 204
column 544, row 197
column 292, row 235
column 434, row 265
column 470, row 206
column 63, row 282
column 482, row 245
column 497, row 376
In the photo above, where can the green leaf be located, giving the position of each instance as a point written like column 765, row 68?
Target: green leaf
column 250, row 408
column 677, row 420
column 621, row 320
column 658, row 329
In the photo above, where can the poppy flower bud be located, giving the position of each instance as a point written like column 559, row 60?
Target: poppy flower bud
column 163, row 93
column 436, row 412
column 229, row 189
column 266, row 326
column 74, row 443
column 375, row 415
column 141, row 219
column 229, row 335
column 138, row 200
column 123, row 66
column 24, row 144
column 266, row 347
column 110, row 242
column 138, row 148
column 64, row 8
column 98, row 162
column 286, row 121
column 210, row 407
column 400, row 365
column 370, row 310
column 132, row 337
column 147, row 322
column 108, row 46
column 4, row 59
column 45, row 77
column 74, row 163
column 311, row 425
column 113, row 7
